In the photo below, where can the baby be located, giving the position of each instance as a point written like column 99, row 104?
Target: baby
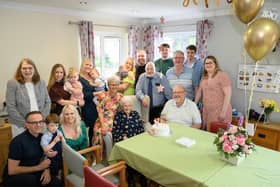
column 51, row 141
column 74, row 87
column 97, row 82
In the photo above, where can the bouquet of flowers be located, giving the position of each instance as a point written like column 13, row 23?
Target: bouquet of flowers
column 269, row 105
column 234, row 142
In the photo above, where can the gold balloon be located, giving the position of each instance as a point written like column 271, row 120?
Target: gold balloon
column 246, row 10
column 260, row 37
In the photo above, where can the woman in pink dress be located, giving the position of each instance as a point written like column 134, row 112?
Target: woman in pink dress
column 215, row 90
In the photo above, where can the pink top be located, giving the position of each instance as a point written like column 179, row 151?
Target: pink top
column 213, row 98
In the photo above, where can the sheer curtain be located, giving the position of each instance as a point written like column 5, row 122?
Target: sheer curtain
column 203, row 30
column 87, row 40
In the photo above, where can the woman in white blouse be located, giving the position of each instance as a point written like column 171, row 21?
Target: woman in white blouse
column 26, row 93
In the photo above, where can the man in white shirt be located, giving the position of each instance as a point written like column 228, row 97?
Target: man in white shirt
column 181, row 110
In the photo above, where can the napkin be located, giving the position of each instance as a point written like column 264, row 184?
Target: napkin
column 187, row 142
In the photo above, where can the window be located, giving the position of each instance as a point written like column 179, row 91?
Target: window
column 109, row 52
column 176, row 40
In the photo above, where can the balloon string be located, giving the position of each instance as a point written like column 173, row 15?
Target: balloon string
column 252, row 89
column 245, row 89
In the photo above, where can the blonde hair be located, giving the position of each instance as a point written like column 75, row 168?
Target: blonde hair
column 71, row 72
column 133, row 66
column 85, row 60
column 77, row 118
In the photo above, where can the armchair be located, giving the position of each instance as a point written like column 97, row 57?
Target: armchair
column 75, row 162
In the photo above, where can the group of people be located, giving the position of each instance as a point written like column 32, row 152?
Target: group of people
column 81, row 109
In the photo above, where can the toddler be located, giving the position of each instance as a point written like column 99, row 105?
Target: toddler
column 74, row 87
column 51, row 141
column 97, row 82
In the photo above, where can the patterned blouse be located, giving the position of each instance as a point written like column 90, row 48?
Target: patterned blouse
column 107, row 106
column 126, row 126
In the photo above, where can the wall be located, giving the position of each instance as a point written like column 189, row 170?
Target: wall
column 46, row 38
column 226, row 44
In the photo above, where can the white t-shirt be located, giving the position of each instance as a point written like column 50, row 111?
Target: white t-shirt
column 32, row 97
column 187, row 114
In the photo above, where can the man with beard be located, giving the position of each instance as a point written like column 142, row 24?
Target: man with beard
column 181, row 110
column 140, row 64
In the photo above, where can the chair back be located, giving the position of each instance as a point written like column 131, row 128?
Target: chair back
column 137, row 106
column 74, row 160
column 216, row 125
column 93, row 179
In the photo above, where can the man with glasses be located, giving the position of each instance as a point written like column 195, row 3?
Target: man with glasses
column 180, row 110
column 27, row 165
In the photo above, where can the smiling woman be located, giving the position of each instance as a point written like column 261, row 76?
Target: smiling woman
column 26, row 93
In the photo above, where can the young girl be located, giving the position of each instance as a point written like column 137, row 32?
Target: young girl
column 74, row 87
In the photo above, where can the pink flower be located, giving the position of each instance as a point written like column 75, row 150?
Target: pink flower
column 227, row 148
column 223, row 138
column 240, row 140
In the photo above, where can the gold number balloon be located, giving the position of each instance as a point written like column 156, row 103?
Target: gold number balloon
column 246, row 10
column 260, row 37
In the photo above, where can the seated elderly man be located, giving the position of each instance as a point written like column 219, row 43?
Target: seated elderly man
column 156, row 86
column 181, row 110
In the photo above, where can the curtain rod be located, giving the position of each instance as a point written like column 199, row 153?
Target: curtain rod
column 101, row 25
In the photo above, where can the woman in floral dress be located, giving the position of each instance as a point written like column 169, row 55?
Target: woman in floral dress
column 107, row 105
column 215, row 89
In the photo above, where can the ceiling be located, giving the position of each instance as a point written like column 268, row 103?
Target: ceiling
column 141, row 9
column 136, row 9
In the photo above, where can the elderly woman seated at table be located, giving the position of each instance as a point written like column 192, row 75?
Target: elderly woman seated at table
column 127, row 123
column 181, row 110
column 73, row 128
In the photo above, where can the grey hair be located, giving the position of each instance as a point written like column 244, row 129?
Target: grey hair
column 180, row 52
column 113, row 79
column 180, row 86
column 125, row 99
column 152, row 64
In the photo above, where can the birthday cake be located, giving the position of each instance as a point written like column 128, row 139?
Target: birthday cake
column 161, row 129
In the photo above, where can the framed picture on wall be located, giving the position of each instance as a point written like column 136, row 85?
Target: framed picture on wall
column 267, row 77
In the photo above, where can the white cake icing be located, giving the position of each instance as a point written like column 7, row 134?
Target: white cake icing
column 161, row 129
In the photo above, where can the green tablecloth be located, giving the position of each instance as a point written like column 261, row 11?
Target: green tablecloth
column 170, row 164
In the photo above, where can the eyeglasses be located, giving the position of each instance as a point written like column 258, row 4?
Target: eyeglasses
column 36, row 122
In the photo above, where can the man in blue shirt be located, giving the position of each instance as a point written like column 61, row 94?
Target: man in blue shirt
column 195, row 65
column 155, row 86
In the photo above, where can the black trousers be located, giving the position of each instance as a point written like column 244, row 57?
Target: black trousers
column 32, row 180
column 155, row 113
